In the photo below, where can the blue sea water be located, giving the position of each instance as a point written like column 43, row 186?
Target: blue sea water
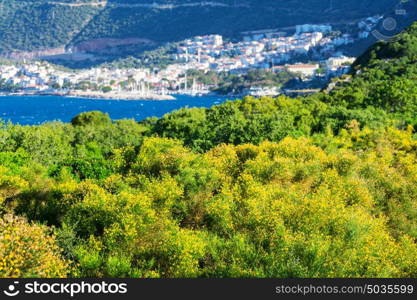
column 32, row 110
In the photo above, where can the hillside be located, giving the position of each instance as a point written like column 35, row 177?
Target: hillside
column 384, row 76
column 120, row 27
column 322, row 186
column 39, row 25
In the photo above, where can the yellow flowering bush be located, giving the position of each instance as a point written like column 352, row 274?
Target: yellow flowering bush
column 29, row 250
column 10, row 185
column 294, row 208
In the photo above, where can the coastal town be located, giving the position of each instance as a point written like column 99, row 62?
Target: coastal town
column 312, row 52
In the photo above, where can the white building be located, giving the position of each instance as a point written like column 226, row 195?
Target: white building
column 312, row 28
column 307, row 70
column 363, row 34
column 339, row 61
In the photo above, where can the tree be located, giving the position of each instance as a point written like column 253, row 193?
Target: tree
column 91, row 118
column 106, row 89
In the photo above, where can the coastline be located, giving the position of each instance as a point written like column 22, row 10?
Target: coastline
column 126, row 96
column 118, row 96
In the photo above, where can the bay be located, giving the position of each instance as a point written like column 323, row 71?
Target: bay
column 33, row 110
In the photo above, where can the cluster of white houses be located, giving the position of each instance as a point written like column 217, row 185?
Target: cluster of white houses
column 43, row 77
column 40, row 76
column 211, row 53
column 268, row 48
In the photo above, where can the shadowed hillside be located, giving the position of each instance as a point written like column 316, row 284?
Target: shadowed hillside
column 121, row 27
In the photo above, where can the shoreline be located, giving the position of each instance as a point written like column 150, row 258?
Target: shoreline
column 123, row 96
column 118, row 96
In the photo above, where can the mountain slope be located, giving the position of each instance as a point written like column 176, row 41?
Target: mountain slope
column 94, row 25
column 35, row 25
column 226, row 17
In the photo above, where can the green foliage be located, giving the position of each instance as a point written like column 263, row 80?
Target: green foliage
column 234, row 84
column 255, row 120
column 226, row 83
column 106, row 89
column 91, row 118
column 385, row 78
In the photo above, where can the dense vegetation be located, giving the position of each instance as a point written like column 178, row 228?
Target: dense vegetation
column 323, row 186
column 158, row 58
column 234, row 84
column 40, row 24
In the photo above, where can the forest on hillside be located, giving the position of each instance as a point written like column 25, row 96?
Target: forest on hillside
column 320, row 186
column 28, row 25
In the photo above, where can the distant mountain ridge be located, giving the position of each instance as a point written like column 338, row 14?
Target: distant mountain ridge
column 121, row 27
